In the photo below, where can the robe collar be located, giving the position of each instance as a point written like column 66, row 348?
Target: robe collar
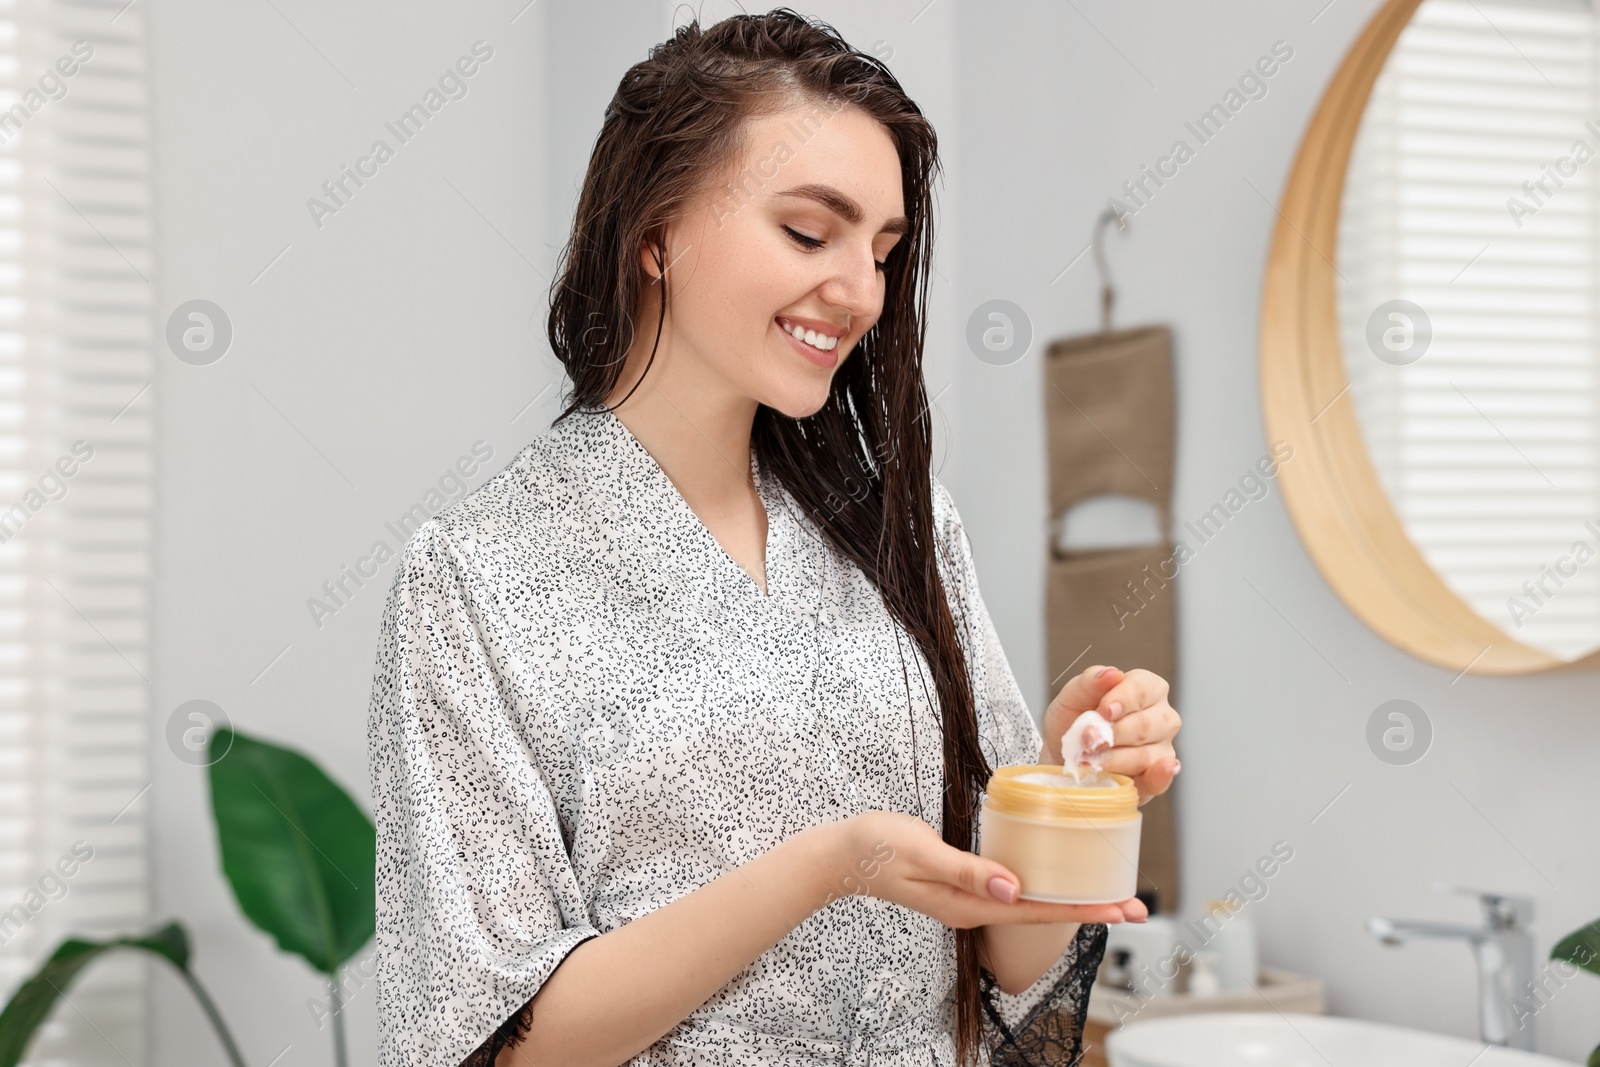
column 664, row 544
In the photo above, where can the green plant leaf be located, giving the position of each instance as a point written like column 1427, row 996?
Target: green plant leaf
column 1594, row 1057
column 299, row 853
column 1581, row 947
column 34, row 999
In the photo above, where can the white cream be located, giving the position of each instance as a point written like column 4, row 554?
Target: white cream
column 1085, row 743
column 1093, row 779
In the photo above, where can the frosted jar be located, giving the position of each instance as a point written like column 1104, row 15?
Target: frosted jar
column 1066, row 844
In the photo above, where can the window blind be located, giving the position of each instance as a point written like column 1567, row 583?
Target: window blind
column 76, row 554
column 1488, row 444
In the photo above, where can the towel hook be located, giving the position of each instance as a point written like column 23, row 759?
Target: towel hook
column 1107, row 293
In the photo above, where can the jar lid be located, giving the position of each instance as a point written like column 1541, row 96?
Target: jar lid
column 1036, row 800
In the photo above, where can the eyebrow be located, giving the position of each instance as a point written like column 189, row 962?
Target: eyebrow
column 843, row 206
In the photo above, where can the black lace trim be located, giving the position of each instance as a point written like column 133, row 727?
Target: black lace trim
column 1052, row 1033
column 506, row 1035
column 510, row 1033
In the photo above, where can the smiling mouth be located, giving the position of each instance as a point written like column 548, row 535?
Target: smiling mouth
column 821, row 342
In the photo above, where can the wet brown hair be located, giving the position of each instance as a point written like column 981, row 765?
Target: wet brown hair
column 860, row 466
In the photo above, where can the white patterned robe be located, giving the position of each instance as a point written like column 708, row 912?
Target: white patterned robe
column 583, row 709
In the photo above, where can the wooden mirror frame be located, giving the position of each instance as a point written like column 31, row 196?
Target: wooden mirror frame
column 1343, row 515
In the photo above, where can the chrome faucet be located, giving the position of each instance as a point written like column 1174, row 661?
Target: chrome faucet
column 1503, row 949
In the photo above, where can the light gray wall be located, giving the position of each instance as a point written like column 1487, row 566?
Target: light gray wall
column 370, row 354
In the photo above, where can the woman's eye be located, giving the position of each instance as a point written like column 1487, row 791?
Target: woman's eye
column 810, row 243
column 802, row 239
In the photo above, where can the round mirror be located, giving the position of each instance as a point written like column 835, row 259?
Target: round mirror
column 1430, row 326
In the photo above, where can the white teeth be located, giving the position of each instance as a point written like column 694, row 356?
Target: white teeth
column 820, row 342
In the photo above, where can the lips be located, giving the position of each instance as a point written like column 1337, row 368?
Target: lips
column 823, row 335
column 826, row 359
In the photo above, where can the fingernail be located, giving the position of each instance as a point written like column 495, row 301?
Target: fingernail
column 1176, row 767
column 1115, row 707
column 1101, row 672
column 1002, row 890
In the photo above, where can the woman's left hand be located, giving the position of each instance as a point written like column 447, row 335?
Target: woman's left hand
column 1143, row 724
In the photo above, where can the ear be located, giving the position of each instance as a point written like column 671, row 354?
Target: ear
column 649, row 254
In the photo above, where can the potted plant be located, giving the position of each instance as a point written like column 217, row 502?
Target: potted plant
column 300, row 856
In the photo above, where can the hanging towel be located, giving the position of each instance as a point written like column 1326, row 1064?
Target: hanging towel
column 1109, row 413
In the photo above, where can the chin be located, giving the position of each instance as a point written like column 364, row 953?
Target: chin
column 798, row 400
column 797, row 395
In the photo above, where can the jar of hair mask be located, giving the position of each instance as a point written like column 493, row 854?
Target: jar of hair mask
column 1068, row 840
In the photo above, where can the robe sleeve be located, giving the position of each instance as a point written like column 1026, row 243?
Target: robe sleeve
column 1044, row 1023
column 477, row 898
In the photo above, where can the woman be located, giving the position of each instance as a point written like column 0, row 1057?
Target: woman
column 681, row 721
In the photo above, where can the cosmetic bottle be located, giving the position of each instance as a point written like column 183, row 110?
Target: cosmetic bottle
column 1234, row 941
column 1203, row 980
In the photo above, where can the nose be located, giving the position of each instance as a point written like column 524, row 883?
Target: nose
column 855, row 288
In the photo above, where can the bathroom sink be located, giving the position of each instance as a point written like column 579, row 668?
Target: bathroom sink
column 1271, row 1039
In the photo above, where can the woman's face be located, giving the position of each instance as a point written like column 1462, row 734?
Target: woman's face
column 796, row 234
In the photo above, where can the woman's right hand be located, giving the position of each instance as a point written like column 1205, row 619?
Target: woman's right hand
column 895, row 856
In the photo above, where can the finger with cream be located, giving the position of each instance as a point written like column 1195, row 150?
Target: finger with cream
column 1086, row 743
